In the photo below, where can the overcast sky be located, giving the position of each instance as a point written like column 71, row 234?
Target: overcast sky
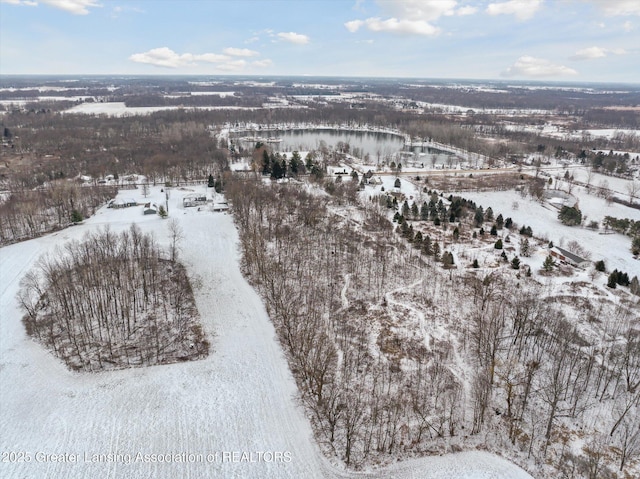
column 564, row 40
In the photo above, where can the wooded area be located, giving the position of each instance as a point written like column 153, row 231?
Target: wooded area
column 112, row 301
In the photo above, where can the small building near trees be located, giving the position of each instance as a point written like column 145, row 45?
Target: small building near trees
column 568, row 257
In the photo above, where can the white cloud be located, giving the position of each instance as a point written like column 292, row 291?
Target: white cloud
column 232, row 66
column 77, row 7
column 466, row 10
column 592, row 53
column 262, row 63
column 426, row 10
column 240, row 52
column 627, row 26
column 522, row 9
column 614, row 8
column 410, row 17
column 167, row 58
column 293, row 37
column 393, row 25
column 28, row 3
column 531, row 67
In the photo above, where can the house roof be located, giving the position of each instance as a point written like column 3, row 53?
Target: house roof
column 568, row 254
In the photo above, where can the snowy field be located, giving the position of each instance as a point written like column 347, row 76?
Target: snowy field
column 232, row 415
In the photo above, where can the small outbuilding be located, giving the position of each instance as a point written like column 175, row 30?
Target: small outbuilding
column 568, row 257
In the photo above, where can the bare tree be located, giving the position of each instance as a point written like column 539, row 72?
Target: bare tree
column 176, row 234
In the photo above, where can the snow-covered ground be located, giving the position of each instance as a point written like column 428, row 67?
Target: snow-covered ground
column 203, row 414
column 614, row 248
column 121, row 109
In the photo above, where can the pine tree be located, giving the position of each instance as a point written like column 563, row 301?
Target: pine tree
column 456, row 233
column 475, row 264
column 76, row 216
column 479, row 216
column 414, row 210
column 548, row 264
column 266, row 163
column 498, row 244
column 210, row 182
column 494, row 231
column 524, row 247
column 424, row 212
column 515, row 263
column 488, row 215
column 499, row 222
column 426, row 246
column 405, row 209
column 508, row 223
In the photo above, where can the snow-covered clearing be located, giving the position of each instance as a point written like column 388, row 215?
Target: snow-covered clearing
column 614, row 248
column 240, row 399
column 117, row 109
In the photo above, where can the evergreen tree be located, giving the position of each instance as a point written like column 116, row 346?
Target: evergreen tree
column 508, row 223
column 426, row 246
column 414, row 211
column 456, row 233
column 266, row 163
column 488, row 215
column 570, row 216
column 396, row 184
column 524, row 247
column 447, row 259
column 600, row 266
column 475, row 264
column 479, row 216
column 210, row 182
column 613, row 279
column 424, row 212
column 499, row 222
column 417, row 239
column 635, row 246
column 548, row 264
column 436, row 251
column 405, row 209
column 515, row 263
column 76, row 216
column 389, row 203
column 162, row 212
column 295, row 163
column 494, row 231
column 498, row 244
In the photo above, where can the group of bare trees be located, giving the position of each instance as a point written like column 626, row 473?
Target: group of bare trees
column 29, row 213
column 349, row 299
column 111, row 301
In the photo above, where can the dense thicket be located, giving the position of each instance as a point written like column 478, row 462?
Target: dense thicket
column 112, row 301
